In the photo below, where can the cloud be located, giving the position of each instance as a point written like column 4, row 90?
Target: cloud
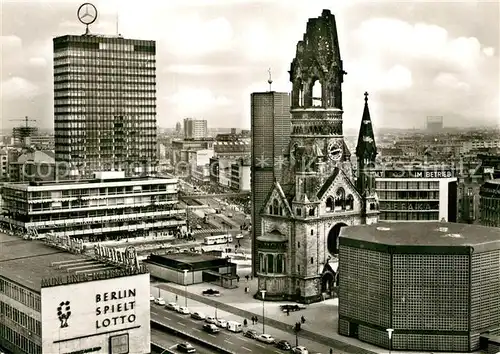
column 10, row 43
column 489, row 51
column 37, row 62
column 448, row 80
column 189, row 101
column 17, row 87
column 392, row 37
column 201, row 69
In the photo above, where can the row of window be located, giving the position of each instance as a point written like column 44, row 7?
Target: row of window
column 135, row 71
column 408, row 195
column 106, row 102
column 21, row 318
column 23, row 343
column 110, row 92
column 272, row 263
column 80, row 85
column 115, row 110
column 409, row 216
column 144, row 124
column 107, row 119
column 101, row 55
column 20, row 294
column 415, row 185
column 121, row 79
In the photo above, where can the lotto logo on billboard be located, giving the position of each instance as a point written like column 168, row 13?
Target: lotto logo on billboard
column 63, row 313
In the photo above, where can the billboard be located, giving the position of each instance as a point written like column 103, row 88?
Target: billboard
column 107, row 316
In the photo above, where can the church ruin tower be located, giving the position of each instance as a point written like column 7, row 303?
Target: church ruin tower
column 366, row 152
column 316, row 73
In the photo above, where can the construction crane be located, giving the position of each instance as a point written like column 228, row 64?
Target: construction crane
column 25, row 119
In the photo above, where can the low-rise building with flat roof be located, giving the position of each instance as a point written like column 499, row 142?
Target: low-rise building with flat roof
column 188, row 268
column 55, row 298
column 433, row 286
column 110, row 206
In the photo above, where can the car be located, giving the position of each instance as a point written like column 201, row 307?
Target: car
column 221, row 323
column 265, row 338
column 239, row 236
column 198, row 227
column 283, row 344
column 300, row 350
column 210, row 319
column 183, row 310
column 172, row 306
column 229, row 215
column 250, row 334
column 160, row 301
column 186, row 348
column 151, row 298
column 198, row 316
column 292, row 308
column 210, row 328
column 211, row 292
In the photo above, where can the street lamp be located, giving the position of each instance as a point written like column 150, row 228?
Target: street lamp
column 389, row 332
column 185, row 287
column 263, row 294
column 216, row 303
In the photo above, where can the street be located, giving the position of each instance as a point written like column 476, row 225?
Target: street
column 170, row 341
column 235, row 342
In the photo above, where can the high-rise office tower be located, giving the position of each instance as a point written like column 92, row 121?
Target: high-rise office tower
column 302, row 215
column 195, row 128
column 271, row 127
column 105, row 103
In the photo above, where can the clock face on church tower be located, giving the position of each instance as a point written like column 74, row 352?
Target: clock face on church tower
column 335, row 150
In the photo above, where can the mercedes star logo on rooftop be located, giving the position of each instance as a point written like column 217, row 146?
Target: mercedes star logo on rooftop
column 87, row 13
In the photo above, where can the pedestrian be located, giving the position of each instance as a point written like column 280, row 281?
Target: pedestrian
column 246, row 277
column 245, row 323
column 256, row 319
column 288, row 312
column 176, row 298
column 303, row 319
column 331, row 351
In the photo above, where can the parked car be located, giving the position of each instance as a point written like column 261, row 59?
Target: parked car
column 160, row 301
column 251, row 334
column 198, row 227
column 198, row 316
column 265, row 338
column 210, row 328
column 151, row 298
column 172, row 306
column 239, row 236
column 211, row 292
column 221, row 323
column 300, row 350
column 210, row 319
column 186, row 348
column 183, row 310
column 292, row 308
column 283, row 344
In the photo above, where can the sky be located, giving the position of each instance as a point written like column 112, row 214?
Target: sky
column 416, row 59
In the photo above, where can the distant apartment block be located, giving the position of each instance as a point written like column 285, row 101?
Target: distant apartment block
column 490, row 203
column 105, row 103
column 195, row 128
column 109, row 206
column 434, row 124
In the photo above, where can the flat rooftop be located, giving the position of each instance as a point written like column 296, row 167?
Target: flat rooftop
column 426, row 234
column 28, row 262
column 188, row 257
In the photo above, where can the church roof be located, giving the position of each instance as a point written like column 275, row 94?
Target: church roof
column 328, row 183
column 366, row 140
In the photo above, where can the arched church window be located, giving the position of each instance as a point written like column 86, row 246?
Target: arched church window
column 279, row 263
column 312, row 211
column 349, row 205
column 270, row 209
column 276, row 207
column 261, row 263
column 317, row 94
column 329, row 204
column 270, row 263
column 340, row 199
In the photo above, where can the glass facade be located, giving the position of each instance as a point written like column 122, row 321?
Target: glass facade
column 105, row 103
column 408, row 200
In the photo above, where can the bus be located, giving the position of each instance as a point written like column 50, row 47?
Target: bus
column 213, row 240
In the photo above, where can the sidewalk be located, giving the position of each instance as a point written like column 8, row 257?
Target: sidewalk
column 321, row 318
column 196, row 306
column 319, row 328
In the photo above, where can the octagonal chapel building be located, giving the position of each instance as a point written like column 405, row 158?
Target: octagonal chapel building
column 318, row 194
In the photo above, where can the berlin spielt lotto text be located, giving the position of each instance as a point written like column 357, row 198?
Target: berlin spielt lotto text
column 397, row 169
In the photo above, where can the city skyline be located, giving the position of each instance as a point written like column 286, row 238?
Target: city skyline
column 416, row 59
